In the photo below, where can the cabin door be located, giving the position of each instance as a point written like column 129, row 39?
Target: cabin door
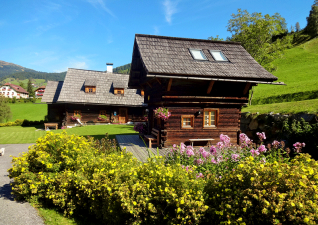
column 122, row 115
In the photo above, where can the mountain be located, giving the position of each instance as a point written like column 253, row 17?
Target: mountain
column 11, row 70
column 125, row 69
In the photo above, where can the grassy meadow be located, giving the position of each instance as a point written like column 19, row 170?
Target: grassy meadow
column 28, row 111
column 37, row 82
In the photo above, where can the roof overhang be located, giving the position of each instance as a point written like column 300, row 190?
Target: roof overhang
column 215, row 79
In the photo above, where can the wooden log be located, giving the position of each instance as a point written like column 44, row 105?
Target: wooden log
column 247, row 87
column 207, row 97
column 210, row 86
column 169, row 84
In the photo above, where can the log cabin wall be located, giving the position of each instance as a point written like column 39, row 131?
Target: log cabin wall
column 90, row 113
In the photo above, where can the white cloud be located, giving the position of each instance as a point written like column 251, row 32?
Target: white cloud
column 170, row 8
column 100, row 4
column 155, row 30
column 78, row 65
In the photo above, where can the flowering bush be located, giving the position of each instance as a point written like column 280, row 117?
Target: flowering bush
column 102, row 118
column 271, row 193
column 162, row 113
column 224, row 157
column 140, row 127
column 75, row 117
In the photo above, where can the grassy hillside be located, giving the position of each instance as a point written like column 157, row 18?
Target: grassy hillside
column 298, row 69
column 37, row 82
column 29, row 111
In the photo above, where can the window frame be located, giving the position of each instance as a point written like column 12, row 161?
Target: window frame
column 191, row 121
column 88, row 88
column 121, row 90
column 202, row 53
column 103, row 112
column 77, row 112
column 216, row 118
column 212, row 50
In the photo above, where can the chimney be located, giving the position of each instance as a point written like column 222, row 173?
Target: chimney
column 109, row 68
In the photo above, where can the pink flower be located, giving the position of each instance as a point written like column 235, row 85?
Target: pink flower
column 261, row 136
column 226, row 140
column 254, row 152
column 213, row 161
column 235, row 157
column 199, row 161
column 213, row 150
column 245, row 141
column 262, row 148
column 298, row 146
column 276, row 144
column 182, row 148
column 200, row 175
column 205, row 154
column 220, row 145
column 190, row 151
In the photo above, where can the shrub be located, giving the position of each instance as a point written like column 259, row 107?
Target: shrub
column 271, row 193
column 140, row 127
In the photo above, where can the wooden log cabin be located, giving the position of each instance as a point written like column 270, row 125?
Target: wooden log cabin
column 91, row 94
column 203, row 84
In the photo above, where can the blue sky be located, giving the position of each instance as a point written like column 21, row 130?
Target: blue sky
column 51, row 36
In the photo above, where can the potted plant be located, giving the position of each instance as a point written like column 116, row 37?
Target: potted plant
column 162, row 113
column 75, row 117
column 102, row 118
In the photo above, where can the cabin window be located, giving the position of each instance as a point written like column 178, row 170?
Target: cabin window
column 210, row 118
column 90, row 89
column 102, row 112
column 218, row 55
column 77, row 112
column 187, row 121
column 119, row 91
column 198, row 54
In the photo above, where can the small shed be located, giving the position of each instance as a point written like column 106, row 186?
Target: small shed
column 202, row 83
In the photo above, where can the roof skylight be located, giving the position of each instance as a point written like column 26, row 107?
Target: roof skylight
column 218, row 55
column 198, row 54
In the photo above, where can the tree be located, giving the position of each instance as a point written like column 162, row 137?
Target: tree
column 215, row 38
column 297, row 27
column 260, row 35
column 30, row 89
column 21, row 84
column 5, row 111
column 312, row 20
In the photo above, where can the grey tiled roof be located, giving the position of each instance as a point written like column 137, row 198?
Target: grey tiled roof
column 73, row 89
column 119, row 84
column 171, row 56
column 52, row 91
column 90, row 81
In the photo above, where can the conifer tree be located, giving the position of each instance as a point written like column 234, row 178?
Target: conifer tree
column 30, row 89
column 312, row 20
column 297, row 27
column 5, row 111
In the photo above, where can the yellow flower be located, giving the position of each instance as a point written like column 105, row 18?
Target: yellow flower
column 306, row 220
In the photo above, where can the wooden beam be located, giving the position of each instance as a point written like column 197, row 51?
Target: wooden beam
column 169, row 84
column 207, row 97
column 149, row 84
column 157, row 79
column 247, row 87
column 210, row 86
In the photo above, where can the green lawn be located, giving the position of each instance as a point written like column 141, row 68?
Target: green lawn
column 29, row 111
column 298, row 69
column 308, row 106
column 19, row 135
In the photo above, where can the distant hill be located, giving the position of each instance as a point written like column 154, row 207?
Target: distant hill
column 11, row 70
column 125, row 69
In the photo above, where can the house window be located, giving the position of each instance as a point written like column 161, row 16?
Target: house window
column 187, row 121
column 102, row 112
column 77, row 112
column 118, row 91
column 218, row 55
column 210, row 118
column 90, row 89
column 198, row 54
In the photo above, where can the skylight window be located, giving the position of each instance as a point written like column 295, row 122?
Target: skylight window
column 218, row 55
column 198, row 54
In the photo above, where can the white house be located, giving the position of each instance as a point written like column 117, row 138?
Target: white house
column 39, row 92
column 11, row 90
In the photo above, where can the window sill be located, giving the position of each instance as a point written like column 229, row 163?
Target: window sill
column 187, row 128
column 210, row 127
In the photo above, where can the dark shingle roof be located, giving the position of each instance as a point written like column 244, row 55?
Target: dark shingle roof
column 119, row 83
column 171, row 56
column 73, row 89
column 52, row 91
column 90, row 81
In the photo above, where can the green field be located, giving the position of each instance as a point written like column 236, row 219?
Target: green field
column 37, row 82
column 20, row 135
column 29, row 111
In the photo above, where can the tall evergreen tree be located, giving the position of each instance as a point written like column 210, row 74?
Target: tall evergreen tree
column 30, row 88
column 297, row 27
column 5, row 111
column 312, row 20
column 21, row 84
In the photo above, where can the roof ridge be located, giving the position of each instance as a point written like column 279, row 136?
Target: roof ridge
column 186, row 39
column 97, row 71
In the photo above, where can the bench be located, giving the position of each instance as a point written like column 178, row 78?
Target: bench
column 209, row 140
column 46, row 125
column 153, row 136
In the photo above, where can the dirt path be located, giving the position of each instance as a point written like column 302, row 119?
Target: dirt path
column 13, row 212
